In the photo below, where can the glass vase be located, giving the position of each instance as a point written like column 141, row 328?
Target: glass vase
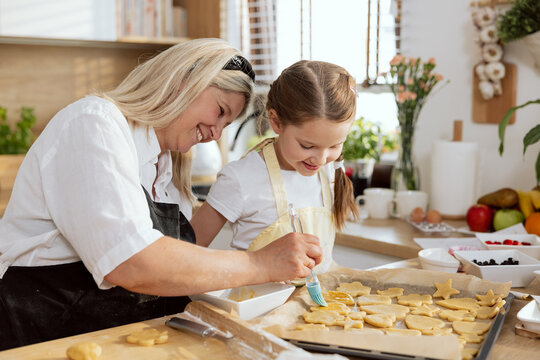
column 405, row 174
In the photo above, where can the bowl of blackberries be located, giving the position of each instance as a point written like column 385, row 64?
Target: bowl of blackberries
column 499, row 265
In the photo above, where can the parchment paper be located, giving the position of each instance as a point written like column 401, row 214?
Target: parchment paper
column 283, row 320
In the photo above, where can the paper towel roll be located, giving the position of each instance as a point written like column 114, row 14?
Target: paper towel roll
column 453, row 177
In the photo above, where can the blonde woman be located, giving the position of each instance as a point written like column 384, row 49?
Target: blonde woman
column 90, row 237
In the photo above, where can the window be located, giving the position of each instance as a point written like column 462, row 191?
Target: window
column 336, row 31
column 276, row 33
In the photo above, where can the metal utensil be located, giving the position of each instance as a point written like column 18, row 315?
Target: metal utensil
column 312, row 282
column 197, row 328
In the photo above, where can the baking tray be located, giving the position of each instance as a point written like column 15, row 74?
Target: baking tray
column 483, row 354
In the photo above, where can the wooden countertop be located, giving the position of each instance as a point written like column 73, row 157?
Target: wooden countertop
column 182, row 345
column 392, row 237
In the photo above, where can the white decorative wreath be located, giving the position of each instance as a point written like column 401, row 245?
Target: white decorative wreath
column 490, row 70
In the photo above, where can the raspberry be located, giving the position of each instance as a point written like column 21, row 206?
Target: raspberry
column 508, row 242
column 526, row 243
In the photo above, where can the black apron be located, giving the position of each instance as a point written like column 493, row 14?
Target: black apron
column 41, row 303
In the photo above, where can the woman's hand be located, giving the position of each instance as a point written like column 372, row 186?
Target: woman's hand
column 290, row 257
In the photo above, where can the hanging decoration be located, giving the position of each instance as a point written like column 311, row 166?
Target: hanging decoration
column 490, row 70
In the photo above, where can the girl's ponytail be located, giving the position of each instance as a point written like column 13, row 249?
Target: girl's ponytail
column 343, row 197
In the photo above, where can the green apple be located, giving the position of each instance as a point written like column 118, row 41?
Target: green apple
column 507, row 217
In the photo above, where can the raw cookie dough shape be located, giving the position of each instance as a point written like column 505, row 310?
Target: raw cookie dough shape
column 427, row 310
column 148, row 337
column 341, row 308
column 470, row 327
column 437, row 332
column 420, row 322
column 312, row 327
column 392, row 292
column 445, row 290
column 489, row 298
column 487, row 312
column 403, row 332
column 84, row 351
column 380, row 320
column 373, row 300
column 468, row 353
column 338, row 296
column 349, row 324
column 329, row 318
column 459, row 304
column 472, row 338
column 414, row 299
column 399, row 311
column 354, row 288
column 457, row 315
column 356, row 315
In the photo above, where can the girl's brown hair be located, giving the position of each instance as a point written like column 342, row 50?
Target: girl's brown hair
column 316, row 89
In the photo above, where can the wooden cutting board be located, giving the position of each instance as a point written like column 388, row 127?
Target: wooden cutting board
column 492, row 111
column 181, row 345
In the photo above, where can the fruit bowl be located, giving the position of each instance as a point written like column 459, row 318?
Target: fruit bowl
column 512, row 242
column 520, row 275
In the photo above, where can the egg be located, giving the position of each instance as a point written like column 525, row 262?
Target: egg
column 433, row 217
column 417, row 215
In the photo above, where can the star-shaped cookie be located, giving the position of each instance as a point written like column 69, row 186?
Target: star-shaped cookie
column 488, row 299
column 445, row 290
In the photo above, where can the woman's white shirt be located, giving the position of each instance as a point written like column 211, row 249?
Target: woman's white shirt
column 78, row 193
column 243, row 194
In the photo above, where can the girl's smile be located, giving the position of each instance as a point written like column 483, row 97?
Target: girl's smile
column 309, row 146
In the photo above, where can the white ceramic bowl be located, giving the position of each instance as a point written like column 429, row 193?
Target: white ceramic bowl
column 248, row 301
column 438, row 259
column 531, row 250
column 529, row 315
column 520, row 275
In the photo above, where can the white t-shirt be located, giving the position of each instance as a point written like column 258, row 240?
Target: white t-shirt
column 243, row 194
column 78, row 195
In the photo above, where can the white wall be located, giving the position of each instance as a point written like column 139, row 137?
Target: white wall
column 443, row 29
column 73, row 19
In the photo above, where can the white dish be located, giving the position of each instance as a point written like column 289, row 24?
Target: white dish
column 531, row 250
column 438, row 259
column 248, row 301
column 529, row 315
column 520, row 275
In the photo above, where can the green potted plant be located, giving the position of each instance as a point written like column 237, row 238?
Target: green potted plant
column 532, row 136
column 363, row 147
column 14, row 143
column 522, row 21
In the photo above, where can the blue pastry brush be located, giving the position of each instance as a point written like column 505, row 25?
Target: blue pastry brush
column 312, row 283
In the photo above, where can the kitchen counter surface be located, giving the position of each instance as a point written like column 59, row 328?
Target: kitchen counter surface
column 183, row 345
column 394, row 232
column 392, row 237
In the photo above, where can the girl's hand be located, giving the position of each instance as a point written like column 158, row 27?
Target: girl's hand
column 290, row 257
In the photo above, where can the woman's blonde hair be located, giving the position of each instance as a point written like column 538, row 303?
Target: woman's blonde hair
column 157, row 91
column 316, row 89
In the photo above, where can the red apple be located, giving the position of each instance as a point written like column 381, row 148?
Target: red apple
column 479, row 218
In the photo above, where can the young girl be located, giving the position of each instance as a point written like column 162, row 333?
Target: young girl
column 311, row 107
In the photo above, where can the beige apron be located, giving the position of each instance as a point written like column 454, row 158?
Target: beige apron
column 317, row 221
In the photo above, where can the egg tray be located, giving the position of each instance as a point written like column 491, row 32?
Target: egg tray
column 482, row 354
column 426, row 227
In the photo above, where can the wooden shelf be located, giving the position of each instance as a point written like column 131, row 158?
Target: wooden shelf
column 132, row 42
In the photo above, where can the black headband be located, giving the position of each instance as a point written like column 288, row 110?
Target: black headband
column 240, row 63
